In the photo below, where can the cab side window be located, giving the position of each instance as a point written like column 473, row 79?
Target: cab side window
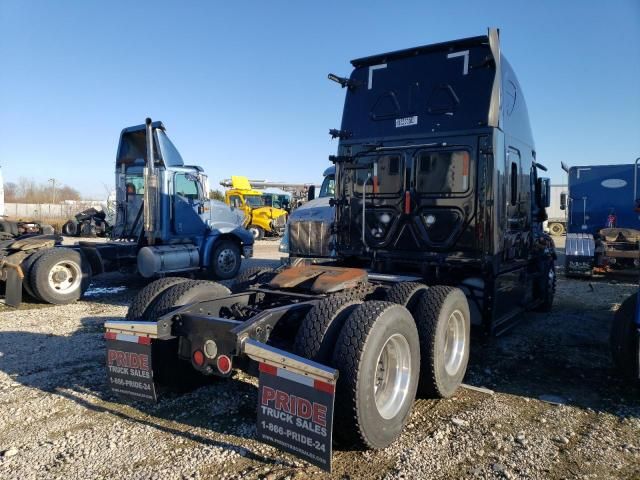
column 134, row 184
column 187, row 186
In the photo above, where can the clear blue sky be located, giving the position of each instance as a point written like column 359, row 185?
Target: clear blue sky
column 242, row 88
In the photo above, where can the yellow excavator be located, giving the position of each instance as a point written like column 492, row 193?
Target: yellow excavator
column 260, row 219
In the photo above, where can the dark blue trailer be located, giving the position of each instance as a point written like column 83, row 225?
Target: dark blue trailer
column 603, row 221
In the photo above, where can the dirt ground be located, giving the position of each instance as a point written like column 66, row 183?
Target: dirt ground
column 549, row 404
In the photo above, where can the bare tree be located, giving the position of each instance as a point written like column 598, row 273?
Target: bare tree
column 216, row 195
column 10, row 192
column 28, row 191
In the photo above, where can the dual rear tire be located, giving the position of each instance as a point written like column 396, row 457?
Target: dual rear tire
column 442, row 317
column 378, row 356
column 416, row 342
column 56, row 275
column 160, row 298
column 444, row 328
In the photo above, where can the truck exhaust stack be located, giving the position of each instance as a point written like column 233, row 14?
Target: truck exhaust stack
column 151, row 189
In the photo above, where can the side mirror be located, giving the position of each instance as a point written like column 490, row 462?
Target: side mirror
column 544, row 192
column 563, row 201
column 311, row 193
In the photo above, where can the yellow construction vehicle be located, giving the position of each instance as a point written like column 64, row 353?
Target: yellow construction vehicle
column 260, row 219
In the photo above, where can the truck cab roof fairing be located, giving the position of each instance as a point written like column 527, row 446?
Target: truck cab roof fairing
column 444, row 87
column 132, row 146
column 514, row 116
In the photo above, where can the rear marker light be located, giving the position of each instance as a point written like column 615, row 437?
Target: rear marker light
column 198, row 358
column 465, row 171
column 407, row 202
column 224, row 364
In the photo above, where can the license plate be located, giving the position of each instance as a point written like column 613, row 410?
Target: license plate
column 129, row 367
column 295, row 414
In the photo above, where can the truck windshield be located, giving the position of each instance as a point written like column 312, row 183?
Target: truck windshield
column 442, row 172
column 328, row 188
column 254, row 200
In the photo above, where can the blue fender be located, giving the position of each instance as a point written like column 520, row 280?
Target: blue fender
column 239, row 234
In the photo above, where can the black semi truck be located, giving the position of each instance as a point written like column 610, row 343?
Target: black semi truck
column 437, row 226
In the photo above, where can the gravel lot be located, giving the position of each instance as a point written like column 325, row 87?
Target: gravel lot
column 553, row 409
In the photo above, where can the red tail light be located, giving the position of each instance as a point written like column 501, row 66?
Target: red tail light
column 198, row 358
column 224, row 364
column 407, row 202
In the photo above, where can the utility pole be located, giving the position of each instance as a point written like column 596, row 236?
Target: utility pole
column 53, row 187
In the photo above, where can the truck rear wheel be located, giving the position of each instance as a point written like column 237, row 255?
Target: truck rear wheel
column 378, row 356
column 27, row 265
column 546, row 287
column 148, row 294
column 225, row 260
column 406, row 294
column 624, row 339
column 184, row 293
column 443, row 321
column 60, row 276
column 169, row 370
column 321, row 326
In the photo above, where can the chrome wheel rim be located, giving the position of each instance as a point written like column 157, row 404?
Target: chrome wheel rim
column 392, row 376
column 227, row 260
column 65, row 277
column 454, row 342
column 255, row 232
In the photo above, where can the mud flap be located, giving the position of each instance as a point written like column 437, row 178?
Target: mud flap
column 13, row 289
column 295, row 414
column 129, row 367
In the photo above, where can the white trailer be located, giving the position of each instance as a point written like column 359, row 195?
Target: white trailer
column 557, row 222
